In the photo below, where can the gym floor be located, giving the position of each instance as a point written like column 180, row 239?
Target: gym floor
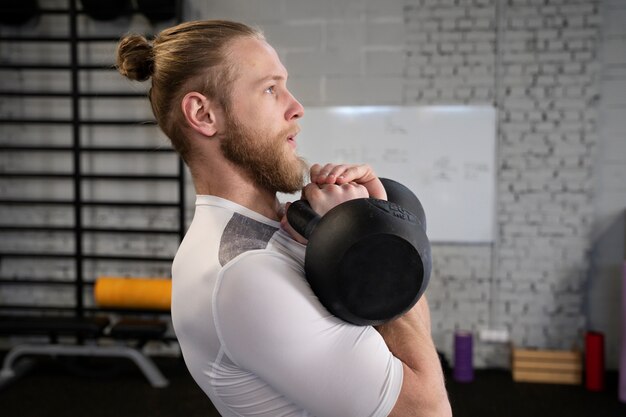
column 106, row 388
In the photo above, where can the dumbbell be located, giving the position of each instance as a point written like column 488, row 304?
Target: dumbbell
column 367, row 260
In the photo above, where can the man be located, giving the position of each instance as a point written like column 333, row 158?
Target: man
column 252, row 333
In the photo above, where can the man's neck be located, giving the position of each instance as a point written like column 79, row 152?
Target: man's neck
column 224, row 179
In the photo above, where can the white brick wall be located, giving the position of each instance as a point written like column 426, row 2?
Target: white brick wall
column 547, row 141
column 341, row 52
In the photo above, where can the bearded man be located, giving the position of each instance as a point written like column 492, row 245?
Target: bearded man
column 253, row 334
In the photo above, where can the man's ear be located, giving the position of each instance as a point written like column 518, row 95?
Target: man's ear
column 200, row 113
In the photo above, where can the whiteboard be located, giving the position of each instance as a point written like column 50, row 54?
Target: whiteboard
column 444, row 154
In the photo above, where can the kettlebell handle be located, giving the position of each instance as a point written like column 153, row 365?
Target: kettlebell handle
column 302, row 217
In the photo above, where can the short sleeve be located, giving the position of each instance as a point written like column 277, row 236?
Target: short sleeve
column 273, row 325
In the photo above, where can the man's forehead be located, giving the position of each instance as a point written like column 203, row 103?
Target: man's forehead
column 257, row 60
column 275, row 77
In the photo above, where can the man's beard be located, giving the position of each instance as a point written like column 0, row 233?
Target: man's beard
column 264, row 158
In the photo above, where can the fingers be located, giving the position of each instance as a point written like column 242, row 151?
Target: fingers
column 326, row 174
column 345, row 173
column 341, row 173
column 347, row 191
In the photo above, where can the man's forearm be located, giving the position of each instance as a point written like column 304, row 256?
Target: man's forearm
column 409, row 339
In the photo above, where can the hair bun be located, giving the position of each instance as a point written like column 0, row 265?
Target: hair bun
column 135, row 58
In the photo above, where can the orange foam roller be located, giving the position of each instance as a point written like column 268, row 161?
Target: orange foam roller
column 135, row 293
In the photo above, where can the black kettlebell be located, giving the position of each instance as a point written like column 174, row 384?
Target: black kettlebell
column 104, row 10
column 157, row 10
column 367, row 260
column 18, row 12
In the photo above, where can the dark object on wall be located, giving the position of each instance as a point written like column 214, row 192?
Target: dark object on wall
column 157, row 10
column 106, row 9
column 18, row 12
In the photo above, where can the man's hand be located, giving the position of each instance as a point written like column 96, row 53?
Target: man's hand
column 333, row 184
column 322, row 198
column 340, row 174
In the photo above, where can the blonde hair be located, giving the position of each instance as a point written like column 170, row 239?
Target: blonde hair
column 192, row 56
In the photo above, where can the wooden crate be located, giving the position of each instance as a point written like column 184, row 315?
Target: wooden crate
column 547, row 366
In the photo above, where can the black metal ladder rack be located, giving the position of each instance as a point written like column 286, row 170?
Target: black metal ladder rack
column 77, row 178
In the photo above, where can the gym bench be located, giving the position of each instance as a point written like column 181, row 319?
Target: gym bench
column 90, row 328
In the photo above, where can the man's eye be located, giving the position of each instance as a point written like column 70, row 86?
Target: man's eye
column 270, row 90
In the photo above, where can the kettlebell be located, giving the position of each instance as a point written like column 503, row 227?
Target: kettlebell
column 18, row 12
column 367, row 260
column 104, row 10
column 158, row 10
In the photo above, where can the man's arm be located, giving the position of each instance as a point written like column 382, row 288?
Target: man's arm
column 409, row 337
column 423, row 391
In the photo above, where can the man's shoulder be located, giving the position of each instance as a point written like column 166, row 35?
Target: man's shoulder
column 243, row 234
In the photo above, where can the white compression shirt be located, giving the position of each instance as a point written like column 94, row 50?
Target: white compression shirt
column 254, row 336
